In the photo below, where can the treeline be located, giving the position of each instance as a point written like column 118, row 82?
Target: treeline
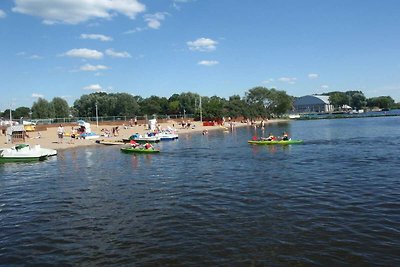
column 357, row 100
column 258, row 102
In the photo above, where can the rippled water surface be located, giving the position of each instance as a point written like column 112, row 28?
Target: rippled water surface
column 212, row 201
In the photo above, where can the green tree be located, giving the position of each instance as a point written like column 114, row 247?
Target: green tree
column 151, row 105
column 213, row 107
column 188, row 102
column 281, row 103
column 385, row 102
column 6, row 114
column 174, row 97
column 22, row 112
column 338, row 99
column 42, row 109
column 258, row 101
column 86, row 105
column 236, row 107
column 173, row 107
column 164, row 104
column 267, row 103
column 61, row 107
column 125, row 105
column 357, row 99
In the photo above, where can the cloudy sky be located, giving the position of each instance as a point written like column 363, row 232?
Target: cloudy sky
column 68, row 48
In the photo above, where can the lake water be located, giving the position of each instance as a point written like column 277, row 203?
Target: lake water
column 212, row 200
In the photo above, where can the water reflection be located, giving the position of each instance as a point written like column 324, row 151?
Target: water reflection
column 139, row 160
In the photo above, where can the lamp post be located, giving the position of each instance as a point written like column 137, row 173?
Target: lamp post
column 97, row 117
column 11, row 115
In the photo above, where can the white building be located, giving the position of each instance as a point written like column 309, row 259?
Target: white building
column 312, row 103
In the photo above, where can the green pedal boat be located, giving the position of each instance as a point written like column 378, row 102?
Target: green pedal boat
column 139, row 150
column 275, row 142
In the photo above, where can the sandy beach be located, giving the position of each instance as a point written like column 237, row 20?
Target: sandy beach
column 48, row 138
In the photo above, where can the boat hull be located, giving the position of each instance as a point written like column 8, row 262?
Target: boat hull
column 168, row 138
column 109, row 143
column 22, row 159
column 278, row 142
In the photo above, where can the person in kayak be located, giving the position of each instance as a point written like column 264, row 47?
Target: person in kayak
column 148, row 146
column 270, row 137
column 285, row 136
column 134, row 144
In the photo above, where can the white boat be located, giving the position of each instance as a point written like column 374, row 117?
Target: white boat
column 48, row 151
column 89, row 136
column 24, row 152
column 167, row 135
column 294, row 116
column 143, row 139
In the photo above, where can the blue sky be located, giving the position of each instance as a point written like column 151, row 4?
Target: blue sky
column 68, row 48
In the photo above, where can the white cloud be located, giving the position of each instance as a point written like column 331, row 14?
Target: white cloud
column 176, row 3
column 324, row 86
column 26, row 55
column 89, row 67
column 84, row 53
column 313, row 76
column 202, row 44
column 99, row 37
column 35, row 57
column 137, row 29
column 154, row 20
column 93, row 87
column 208, row 62
column 289, row 80
column 36, row 95
column 2, row 14
column 268, row 81
column 110, row 52
column 77, row 11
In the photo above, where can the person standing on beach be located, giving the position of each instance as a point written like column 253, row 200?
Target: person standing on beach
column 60, row 133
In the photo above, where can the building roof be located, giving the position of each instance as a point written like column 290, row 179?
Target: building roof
column 312, row 100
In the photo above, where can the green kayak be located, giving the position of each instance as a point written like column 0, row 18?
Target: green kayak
column 139, row 150
column 277, row 142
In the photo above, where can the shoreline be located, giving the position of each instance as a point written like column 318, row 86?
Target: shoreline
column 48, row 138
